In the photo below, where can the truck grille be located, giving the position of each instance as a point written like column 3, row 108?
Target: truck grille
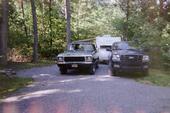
column 131, row 60
column 74, row 59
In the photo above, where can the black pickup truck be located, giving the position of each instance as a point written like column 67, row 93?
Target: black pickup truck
column 127, row 58
column 79, row 55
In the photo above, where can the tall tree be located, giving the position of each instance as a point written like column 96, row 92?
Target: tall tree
column 4, row 31
column 35, row 32
column 167, row 9
column 68, row 18
column 125, row 5
column 23, row 14
column 161, row 7
column 50, row 24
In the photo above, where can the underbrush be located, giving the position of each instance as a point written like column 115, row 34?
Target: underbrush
column 157, row 77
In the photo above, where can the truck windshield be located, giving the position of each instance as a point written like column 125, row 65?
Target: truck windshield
column 121, row 46
column 81, row 47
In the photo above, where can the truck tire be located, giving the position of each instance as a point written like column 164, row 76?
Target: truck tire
column 114, row 73
column 92, row 69
column 97, row 65
column 63, row 70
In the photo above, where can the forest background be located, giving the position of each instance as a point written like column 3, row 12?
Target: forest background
column 144, row 22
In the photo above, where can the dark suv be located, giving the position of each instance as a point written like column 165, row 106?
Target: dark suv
column 127, row 58
column 80, row 55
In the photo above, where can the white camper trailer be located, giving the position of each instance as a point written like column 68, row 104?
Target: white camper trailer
column 104, row 42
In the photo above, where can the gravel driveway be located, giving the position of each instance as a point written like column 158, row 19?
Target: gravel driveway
column 79, row 93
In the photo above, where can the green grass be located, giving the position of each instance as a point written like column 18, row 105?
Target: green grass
column 9, row 85
column 156, row 77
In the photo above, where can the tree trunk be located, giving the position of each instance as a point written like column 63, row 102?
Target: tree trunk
column 168, row 11
column 35, row 32
column 4, row 32
column 68, row 18
column 78, row 18
column 43, row 26
column 50, row 25
column 161, row 10
column 23, row 14
column 127, row 19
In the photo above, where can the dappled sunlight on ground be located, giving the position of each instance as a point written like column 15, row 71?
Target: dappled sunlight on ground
column 31, row 85
column 103, row 78
column 37, row 94
column 74, row 79
column 77, row 92
column 43, row 75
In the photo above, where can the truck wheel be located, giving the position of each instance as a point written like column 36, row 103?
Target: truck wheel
column 92, row 69
column 111, row 71
column 115, row 73
column 97, row 65
column 63, row 70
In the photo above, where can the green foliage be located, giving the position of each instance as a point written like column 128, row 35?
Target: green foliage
column 166, row 59
column 144, row 25
column 51, row 28
column 165, row 45
column 165, row 42
column 90, row 20
column 147, row 29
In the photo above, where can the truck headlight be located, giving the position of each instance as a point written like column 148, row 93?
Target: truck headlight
column 60, row 59
column 116, row 58
column 88, row 59
column 145, row 58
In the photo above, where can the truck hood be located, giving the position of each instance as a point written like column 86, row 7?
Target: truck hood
column 75, row 53
column 128, row 52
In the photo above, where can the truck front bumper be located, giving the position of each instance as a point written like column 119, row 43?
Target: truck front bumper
column 129, row 68
column 71, row 65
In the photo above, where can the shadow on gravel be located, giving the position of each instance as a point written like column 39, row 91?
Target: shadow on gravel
column 76, row 73
column 131, row 75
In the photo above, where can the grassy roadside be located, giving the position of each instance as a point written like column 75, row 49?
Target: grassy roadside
column 156, row 77
column 8, row 85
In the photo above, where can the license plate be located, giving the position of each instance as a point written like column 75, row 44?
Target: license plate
column 74, row 65
column 131, row 57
